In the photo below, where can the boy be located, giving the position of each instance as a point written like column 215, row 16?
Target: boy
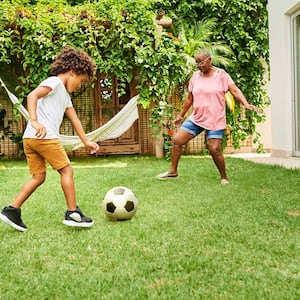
column 47, row 105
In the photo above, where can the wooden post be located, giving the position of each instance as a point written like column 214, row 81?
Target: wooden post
column 161, row 22
column 159, row 146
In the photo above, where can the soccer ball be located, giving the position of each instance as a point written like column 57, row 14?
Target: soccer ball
column 120, row 204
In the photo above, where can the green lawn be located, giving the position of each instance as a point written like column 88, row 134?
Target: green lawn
column 190, row 239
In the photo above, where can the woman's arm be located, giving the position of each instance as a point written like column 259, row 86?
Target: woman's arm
column 237, row 94
column 186, row 106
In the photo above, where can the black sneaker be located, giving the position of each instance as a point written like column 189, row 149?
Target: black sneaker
column 12, row 216
column 77, row 219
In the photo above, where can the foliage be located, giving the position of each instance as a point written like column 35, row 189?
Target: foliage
column 115, row 34
column 120, row 36
column 6, row 130
column 243, row 27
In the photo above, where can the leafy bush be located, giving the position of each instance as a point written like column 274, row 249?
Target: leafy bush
column 243, row 27
column 120, row 36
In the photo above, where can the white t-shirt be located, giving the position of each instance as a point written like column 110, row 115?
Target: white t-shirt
column 51, row 109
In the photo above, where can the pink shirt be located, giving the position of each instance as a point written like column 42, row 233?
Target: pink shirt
column 209, row 99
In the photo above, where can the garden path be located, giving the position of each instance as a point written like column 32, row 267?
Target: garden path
column 266, row 158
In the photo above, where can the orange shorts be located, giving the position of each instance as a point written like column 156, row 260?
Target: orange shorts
column 40, row 151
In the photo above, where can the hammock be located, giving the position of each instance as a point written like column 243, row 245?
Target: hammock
column 115, row 127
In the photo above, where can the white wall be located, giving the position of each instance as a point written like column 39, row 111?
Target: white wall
column 281, row 84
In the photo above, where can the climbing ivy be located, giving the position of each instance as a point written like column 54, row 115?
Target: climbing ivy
column 242, row 26
column 115, row 33
column 121, row 37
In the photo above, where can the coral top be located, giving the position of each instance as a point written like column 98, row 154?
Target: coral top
column 209, row 108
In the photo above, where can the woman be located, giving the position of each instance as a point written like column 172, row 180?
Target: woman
column 206, row 93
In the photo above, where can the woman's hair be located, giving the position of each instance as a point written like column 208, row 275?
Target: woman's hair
column 203, row 52
column 72, row 59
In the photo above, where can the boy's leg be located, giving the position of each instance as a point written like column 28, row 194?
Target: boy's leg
column 56, row 156
column 27, row 189
column 73, row 216
column 53, row 152
column 11, row 214
column 68, row 186
column 37, row 165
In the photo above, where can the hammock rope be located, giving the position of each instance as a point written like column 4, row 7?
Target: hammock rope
column 114, row 128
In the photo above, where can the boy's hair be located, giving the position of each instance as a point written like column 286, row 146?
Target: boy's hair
column 72, row 59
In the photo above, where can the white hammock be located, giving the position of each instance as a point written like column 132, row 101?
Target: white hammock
column 115, row 127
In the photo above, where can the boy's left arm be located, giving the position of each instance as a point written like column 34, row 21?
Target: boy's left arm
column 72, row 116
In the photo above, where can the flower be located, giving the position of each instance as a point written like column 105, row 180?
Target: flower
column 171, row 132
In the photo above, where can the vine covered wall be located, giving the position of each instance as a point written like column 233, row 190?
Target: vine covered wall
column 121, row 37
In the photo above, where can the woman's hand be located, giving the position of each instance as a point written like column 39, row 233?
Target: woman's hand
column 253, row 107
column 178, row 120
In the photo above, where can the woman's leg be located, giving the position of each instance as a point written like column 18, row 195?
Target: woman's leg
column 215, row 150
column 180, row 139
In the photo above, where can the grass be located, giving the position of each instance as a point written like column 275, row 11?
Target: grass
column 190, row 239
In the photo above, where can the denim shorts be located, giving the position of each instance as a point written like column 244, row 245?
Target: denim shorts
column 195, row 130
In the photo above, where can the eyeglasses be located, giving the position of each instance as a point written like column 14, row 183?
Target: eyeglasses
column 201, row 63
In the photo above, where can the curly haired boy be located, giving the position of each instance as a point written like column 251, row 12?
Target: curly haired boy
column 47, row 104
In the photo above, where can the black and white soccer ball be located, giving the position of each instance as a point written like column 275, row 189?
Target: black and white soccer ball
column 120, row 203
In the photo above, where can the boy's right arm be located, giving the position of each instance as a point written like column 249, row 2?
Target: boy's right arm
column 72, row 116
